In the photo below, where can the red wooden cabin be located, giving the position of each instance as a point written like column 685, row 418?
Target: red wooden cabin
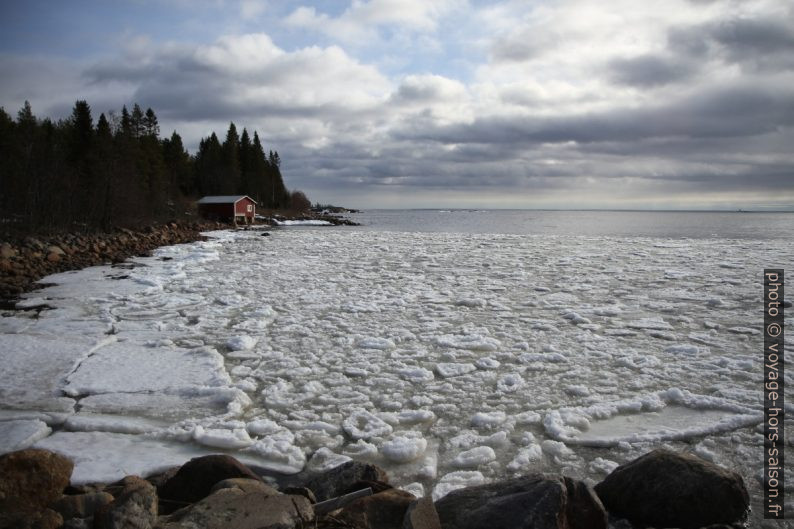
column 237, row 208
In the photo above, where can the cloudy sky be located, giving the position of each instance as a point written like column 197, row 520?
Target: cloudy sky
column 685, row 104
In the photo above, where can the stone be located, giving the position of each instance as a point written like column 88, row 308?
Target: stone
column 385, row 510
column 53, row 257
column 135, row 507
column 340, row 480
column 232, row 508
column 245, row 485
column 32, row 479
column 55, row 249
column 194, row 480
column 48, row 519
column 421, row 514
column 78, row 523
column 7, row 251
column 81, row 505
column 667, row 489
column 534, row 501
column 301, row 491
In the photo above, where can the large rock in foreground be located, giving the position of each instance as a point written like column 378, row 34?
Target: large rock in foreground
column 531, row 502
column 233, row 508
column 195, row 479
column 666, row 489
column 31, row 479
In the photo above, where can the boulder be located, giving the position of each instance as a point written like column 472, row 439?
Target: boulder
column 81, row 505
column 342, row 479
column 135, row 507
column 32, row 479
column 245, row 485
column 535, row 501
column 7, row 251
column 232, row 508
column 384, row 510
column 195, row 479
column 421, row 514
column 667, row 489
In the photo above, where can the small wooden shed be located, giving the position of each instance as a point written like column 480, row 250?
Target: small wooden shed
column 237, row 208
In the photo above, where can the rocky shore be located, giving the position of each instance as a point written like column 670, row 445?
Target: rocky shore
column 659, row 489
column 25, row 260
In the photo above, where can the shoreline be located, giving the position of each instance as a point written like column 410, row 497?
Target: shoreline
column 25, row 259
column 28, row 259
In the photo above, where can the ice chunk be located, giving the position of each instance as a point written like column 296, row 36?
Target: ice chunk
column 20, row 434
column 683, row 349
column 487, row 363
column 556, row 448
column 472, row 342
column 375, row 343
column 488, row 419
column 526, row 458
column 362, row 424
column 416, row 374
column 361, row 450
column 278, row 455
column 457, row 480
column 324, row 459
column 656, row 324
column 416, row 416
column 127, row 367
column 447, row 370
column 602, row 466
column 222, row 438
column 241, row 343
column 415, row 488
column 509, row 383
column 107, row 457
column 405, row 447
column 475, row 457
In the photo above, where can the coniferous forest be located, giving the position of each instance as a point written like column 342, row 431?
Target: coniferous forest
column 118, row 171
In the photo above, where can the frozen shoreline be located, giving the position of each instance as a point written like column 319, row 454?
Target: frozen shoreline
column 308, row 347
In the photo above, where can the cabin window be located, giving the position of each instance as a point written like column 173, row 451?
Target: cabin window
column 249, row 208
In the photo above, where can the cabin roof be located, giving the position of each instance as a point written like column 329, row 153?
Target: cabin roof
column 224, row 199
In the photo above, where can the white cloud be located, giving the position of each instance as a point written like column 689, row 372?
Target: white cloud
column 360, row 22
column 250, row 9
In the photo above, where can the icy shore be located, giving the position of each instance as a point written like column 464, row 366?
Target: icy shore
column 450, row 360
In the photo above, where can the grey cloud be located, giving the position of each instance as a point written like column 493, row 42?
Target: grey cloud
column 650, row 70
column 755, row 43
column 743, row 110
column 525, row 44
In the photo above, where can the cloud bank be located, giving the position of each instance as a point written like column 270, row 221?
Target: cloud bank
column 569, row 103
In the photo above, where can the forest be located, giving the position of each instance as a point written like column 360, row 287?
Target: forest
column 117, row 172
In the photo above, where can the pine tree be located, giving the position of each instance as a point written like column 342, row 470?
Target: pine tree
column 177, row 162
column 136, row 122
column 231, row 161
column 150, row 126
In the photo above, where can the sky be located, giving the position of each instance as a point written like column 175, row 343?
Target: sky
column 685, row 104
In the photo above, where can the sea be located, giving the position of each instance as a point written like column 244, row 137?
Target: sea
column 450, row 347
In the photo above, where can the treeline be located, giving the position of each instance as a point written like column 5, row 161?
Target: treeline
column 119, row 172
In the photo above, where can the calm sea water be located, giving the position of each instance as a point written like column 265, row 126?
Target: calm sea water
column 675, row 224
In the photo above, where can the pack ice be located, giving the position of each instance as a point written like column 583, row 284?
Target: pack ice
column 447, row 359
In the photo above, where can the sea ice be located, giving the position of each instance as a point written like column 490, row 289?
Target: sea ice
column 20, row 434
column 404, row 447
column 475, row 457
